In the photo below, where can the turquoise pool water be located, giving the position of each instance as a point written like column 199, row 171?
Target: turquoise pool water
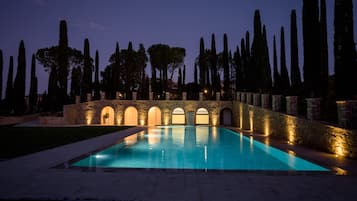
column 195, row 147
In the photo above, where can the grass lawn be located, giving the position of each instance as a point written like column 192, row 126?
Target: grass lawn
column 18, row 141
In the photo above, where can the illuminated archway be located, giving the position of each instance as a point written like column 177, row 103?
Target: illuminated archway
column 226, row 117
column 131, row 116
column 178, row 116
column 154, row 116
column 202, row 116
column 107, row 116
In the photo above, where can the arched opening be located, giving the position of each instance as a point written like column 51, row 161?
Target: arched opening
column 131, row 116
column 202, row 116
column 154, row 116
column 226, row 117
column 178, row 116
column 107, row 116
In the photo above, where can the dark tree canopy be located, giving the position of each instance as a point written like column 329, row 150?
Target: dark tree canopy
column 276, row 74
column 285, row 82
column 225, row 65
column 20, row 81
column 294, row 66
column 1, row 72
column 86, row 83
column 345, row 51
column 9, row 93
column 96, row 86
column 33, row 86
column 324, row 50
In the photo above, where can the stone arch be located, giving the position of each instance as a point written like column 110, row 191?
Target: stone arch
column 202, row 116
column 178, row 116
column 131, row 116
column 107, row 116
column 154, row 116
column 226, row 117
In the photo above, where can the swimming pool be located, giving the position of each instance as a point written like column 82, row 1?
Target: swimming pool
column 195, row 147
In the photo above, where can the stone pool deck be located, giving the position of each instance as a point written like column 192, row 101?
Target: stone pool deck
column 33, row 177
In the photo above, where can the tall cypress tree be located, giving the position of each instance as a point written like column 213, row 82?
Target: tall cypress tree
column 294, row 66
column 324, row 50
column 19, row 84
column 277, row 79
column 267, row 80
column 285, row 82
column 179, row 80
column 238, row 67
column 9, row 93
column 33, row 86
column 86, row 83
column 202, row 64
column 1, row 72
column 96, row 86
column 344, row 50
column 195, row 74
column 76, row 76
column 184, row 75
column 312, row 51
column 213, row 63
column 63, row 68
column 225, row 63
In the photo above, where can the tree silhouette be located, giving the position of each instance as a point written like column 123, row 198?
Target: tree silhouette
column 1, row 73
column 344, row 50
column 225, row 64
column 96, row 86
column 267, row 80
column 213, row 65
column 86, row 83
column 184, row 75
column 311, row 30
column 277, row 78
column 76, row 77
column 195, row 74
column 238, row 69
column 324, row 50
column 285, row 82
column 58, row 60
column 19, row 83
column 33, row 86
column 202, row 63
column 294, row 66
column 9, row 93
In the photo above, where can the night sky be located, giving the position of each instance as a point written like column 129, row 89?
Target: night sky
column 174, row 22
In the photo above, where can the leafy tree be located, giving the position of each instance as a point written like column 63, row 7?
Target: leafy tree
column 277, row 79
column 285, row 82
column 33, row 86
column 344, row 50
column 179, row 80
column 1, row 72
column 86, row 83
column 311, row 34
column 96, row 86
column 19, row 83
column 324, row 50
column 58, row 61
column 9, row 93
column 295, row 70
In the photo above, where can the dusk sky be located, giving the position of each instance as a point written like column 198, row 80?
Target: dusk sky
column 174, row 22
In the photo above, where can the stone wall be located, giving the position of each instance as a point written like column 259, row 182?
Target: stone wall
column 296, row 130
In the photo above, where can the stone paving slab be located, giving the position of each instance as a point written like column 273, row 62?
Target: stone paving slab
column 33, row 177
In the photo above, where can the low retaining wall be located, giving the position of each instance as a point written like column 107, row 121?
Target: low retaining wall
column 296, row 130
column 52, row 120
column 10, row 120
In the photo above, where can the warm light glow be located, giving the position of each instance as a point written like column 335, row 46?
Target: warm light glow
column 131, row 140
column 107, row 116
column 166, row 120
column 89, row 118
column 154, row 116
column 205, row 91
column 251, row 116
column 241, row 116
column 214, row 134
column 119, row 119
column 142, row 122
column 266, row 125
column 131, row 116
column 339, row 141
column 202, row 135
column 291, row 130
column 178, row 116
column 202, row 116
column 214, row 120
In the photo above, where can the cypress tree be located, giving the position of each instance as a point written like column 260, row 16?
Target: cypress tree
column 63, row 66
column 324, row 50
column 294, row 66
column 76, row 82
column 238, row 65
column 244, row 66
column 225, row 63
column 201, row 63
column 267, row 85
column 213, row 63
column 179, row 80
column 96, row 86
column 19, row 84
column 285, row 82
column 184, row 75
column 33, row 86
column 312, row 55
column 195, row 75
column 1, row 72
column 86, row 83
column 257, row 52
column 277, row 79
column 344, row 50
column 9, row 93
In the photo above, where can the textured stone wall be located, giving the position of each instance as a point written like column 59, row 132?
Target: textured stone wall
column 296, row 130
column 90, row 112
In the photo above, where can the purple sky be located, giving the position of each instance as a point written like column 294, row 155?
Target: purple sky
column 173, row 22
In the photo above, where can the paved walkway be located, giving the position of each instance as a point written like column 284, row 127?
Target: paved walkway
column 32, row 177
